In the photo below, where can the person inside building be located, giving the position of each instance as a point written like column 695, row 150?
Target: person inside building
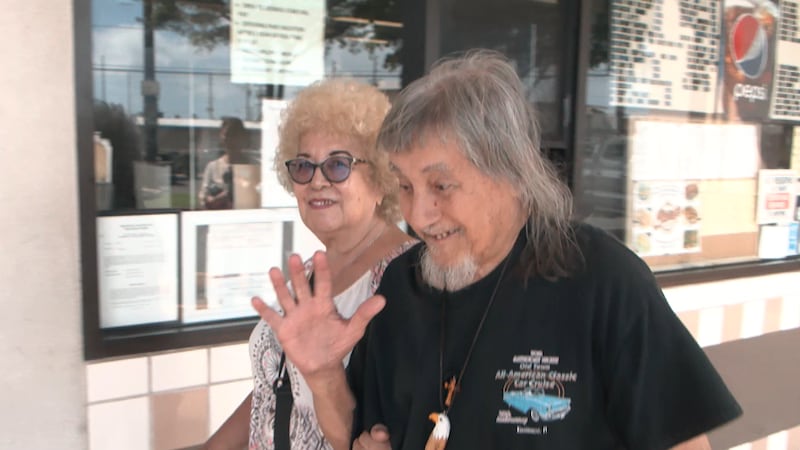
column 347, row 196
column 216, row 188
column 510, row 326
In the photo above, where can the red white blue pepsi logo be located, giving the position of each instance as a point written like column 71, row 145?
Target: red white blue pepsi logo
column 749, row 46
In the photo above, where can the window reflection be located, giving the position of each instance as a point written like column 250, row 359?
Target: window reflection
column 669, row 164
column 166, row 66
column 531, row 34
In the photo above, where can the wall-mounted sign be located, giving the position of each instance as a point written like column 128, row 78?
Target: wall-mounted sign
column 786, row 90
column 749, row 30
column 277, row 41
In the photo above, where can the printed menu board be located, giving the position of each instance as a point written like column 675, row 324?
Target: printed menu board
column 786, row 92
column 736, row 57
column 665, row 54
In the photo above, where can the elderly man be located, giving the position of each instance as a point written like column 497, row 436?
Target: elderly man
column 509, row 327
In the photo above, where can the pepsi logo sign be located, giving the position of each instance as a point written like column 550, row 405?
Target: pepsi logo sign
column 749, row 46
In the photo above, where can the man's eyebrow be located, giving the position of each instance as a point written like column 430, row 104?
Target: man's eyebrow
column 436, row 167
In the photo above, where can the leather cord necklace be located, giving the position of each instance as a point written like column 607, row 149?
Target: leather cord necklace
column 441, row 431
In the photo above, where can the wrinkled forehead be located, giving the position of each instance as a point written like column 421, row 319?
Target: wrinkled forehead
column 431, row 154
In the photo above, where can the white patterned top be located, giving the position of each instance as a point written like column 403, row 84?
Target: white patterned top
column 265, row 356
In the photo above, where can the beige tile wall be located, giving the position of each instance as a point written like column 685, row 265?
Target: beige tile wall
column 783, row 440
column 738, row 309
column 165, row 401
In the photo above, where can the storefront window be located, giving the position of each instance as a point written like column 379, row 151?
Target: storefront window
column 533, row 35
column 187, row 101
column 690, row 148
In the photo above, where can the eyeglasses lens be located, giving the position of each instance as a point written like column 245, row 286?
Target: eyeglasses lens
column 301, row 171
column 335, row 169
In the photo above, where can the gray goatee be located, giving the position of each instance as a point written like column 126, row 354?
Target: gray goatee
column 450, row 279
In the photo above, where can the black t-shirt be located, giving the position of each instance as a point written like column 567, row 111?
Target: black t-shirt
column 596, row 361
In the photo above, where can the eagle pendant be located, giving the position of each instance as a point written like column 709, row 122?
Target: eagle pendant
column 441, row 431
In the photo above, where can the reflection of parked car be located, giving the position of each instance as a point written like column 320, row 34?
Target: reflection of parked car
column 538, row 405
column 605, row 174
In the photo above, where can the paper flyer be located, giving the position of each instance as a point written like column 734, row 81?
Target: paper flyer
column 776, row 196
column 277, row 41
column 666, row 218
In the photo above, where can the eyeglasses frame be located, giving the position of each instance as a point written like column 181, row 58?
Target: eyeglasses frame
column 353, row 161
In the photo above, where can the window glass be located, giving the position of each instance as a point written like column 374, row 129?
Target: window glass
column 691, row 116
column 531, row 34
column 188, row 95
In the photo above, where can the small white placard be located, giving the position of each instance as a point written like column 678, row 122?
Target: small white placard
column 776, row 196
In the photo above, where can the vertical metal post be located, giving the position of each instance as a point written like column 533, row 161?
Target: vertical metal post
column 149, row 85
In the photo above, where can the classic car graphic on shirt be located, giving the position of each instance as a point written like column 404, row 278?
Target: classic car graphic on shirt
column 534, row 392
column 539, row 405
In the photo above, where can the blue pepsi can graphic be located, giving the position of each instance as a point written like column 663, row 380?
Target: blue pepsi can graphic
column 749, row 40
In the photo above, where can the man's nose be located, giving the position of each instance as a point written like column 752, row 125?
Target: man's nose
column 423, row 211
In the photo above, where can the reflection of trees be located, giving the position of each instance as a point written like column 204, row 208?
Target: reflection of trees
column 206, row 23
column 353, row 36
column 531, row 34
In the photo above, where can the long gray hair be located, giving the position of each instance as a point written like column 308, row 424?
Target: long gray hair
column 479, row 100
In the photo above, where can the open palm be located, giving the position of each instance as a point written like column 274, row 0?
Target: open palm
column 311, row 331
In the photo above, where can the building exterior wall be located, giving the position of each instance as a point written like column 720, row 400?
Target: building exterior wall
column 41, row 346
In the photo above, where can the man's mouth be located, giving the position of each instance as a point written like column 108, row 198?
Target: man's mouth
column 440, row 236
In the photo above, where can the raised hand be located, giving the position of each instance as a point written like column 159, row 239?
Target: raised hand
column 311, row 331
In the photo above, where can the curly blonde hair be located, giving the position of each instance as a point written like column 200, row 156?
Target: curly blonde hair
column 346, row 108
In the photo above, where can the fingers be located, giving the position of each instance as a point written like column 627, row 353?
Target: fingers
column 268, row 314
column 379, row 433
column 297, row 274
column 369, row 309
column 322, row 276
column 376, row 439
column 285, row 297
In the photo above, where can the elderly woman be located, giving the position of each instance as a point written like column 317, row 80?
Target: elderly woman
column 347, row 196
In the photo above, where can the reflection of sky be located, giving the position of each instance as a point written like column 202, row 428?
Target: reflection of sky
column 193, row 81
